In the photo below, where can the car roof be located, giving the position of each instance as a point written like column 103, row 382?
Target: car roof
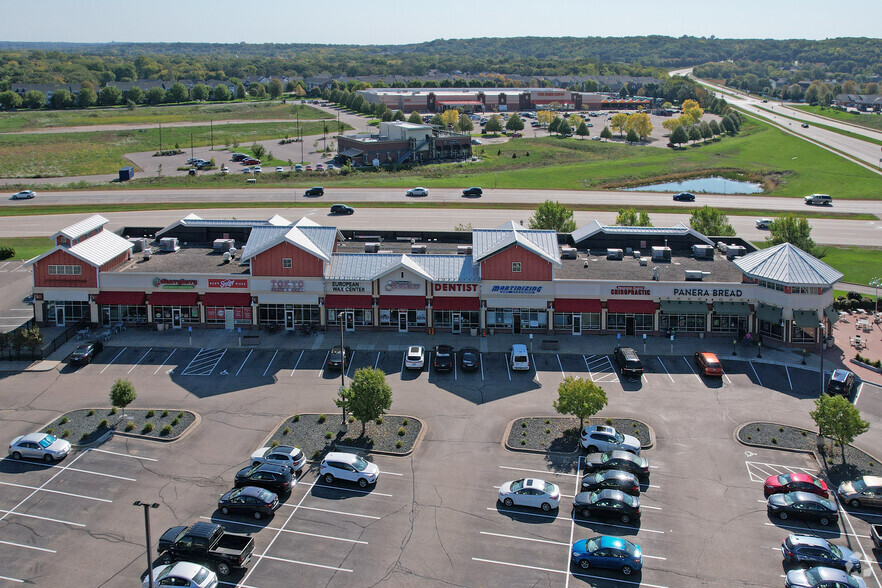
column 800, row 477
column 535, row 483
column 621, row 453
column 617, row 474
column 707, row 355
column 444, row 348
column 269, row 467
column 873, row 480
column 600, row 429
column 607, row 541
column 184, row 569
column 251, row 491
column 415, row 349
column 340, row 456
column 840, row 375
column 807, row 497
column 807, row 540
column 32, row 437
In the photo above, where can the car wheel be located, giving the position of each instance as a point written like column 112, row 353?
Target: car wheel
column 854, row 503
column 626, row 518
column 546, row 507
column 592, row 449
column 258, row 515
column 584, row 564
column 16, row 455
column 508, row 502
column 329, row 479
column 626, row 570
column 362, row 483
column 824, row 521
column 225, row 510
column 223, row 568
column 48, row 458
column 782, row 516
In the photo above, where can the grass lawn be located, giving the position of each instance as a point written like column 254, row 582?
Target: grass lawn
column 100, row 152
column 26, row 120
column 871, row 121
column 859, row 265
column 27, row 247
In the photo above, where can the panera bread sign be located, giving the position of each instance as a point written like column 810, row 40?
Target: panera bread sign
column 227, row 283
column 174, row 284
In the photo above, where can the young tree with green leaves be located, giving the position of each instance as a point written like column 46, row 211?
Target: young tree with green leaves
column 694, row 134
column 714, row 127
column 177, row 93
column 135, row 94
column 415, row 118
column 154, row 95
column 838, row 419
column 34, row 100
column 368, row 396
column 679, row 136
column 632, row 136
column 437, row 120
column 465, row 124
column 258, row 150
column 9, row 100
column 494, row 125
column 553, row 216
column 200, row 92
column 122, row 393
column 582, row 130
column 580, row 398
column 386, row 116
column 554, row 125
column 606, row 133
column 399, row 116
column 794, row 230
column 515, row 123
column 630, row 217
column 221, row 93
column 710, row 221
column 275, row 89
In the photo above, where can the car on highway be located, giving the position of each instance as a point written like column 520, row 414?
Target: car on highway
column 24, row 195
column 530, row 492
column 684, row 197
column 473, row 191
column 607, row 504
column 613, row 480
column 866, row 491
column 39, row 446
column 708, row 364
column 279, row 169
column 270, row 476
column 469, row 358
column 763, row 223
column 605, row 551
column 85, row 353
column 601, row 438
column 282, row 455
column 348, row 467
column 342, row 209
column 442, row 361
column 822, row 577
column 182, row 573
column 804, row 125
column 616, row 460
column 841, row 382
column 314, row 191
column 415, row 357
column 794, row 482
column 820, row 199
column 810, row 550
column 802, row 505
column 418, row 191
column 251, row 500
column 338, row 357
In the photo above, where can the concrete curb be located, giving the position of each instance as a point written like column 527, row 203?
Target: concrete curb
column 508, row 428
column 111, row 432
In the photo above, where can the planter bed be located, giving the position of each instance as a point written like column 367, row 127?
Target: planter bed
column 561, row 434
column 87, row 425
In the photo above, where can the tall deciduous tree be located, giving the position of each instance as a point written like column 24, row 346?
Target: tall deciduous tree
column 639, row 123
column 838, row 419
column 34, row 100
column 679, row 136
column 794, row 230
column 553, row 216
column 155, row 95
column 494, row 125
column 606, row 133
column 275, row 88
column 177, row 93
column 618, row 123
column 710, row 221
column 465, row 124
column 450, row 117
column 515, row 123
column 368, row 396
column 135, row 94
column 554, row 125
column 200, row 92
column 580, row 398
column 415, row 118
column 582, row 130
column 109, row 96
column 122, row 393
column 221, row 93
column 61, row 98
column 630, row 217
column 9, row 100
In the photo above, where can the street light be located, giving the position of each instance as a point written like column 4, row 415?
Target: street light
column 342, row 318
column 875, row 283
column 821, row 348
column 147, row 507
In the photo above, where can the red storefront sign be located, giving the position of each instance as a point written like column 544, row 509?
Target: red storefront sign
column 240, row 313
column 227, row 283
column 457, row 288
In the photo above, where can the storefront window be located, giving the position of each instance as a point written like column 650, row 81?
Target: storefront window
column 801, row 335
column 590, row 320
column 274, row 314
column 772, row 329
column 121, row 313
column 73, row 311
column 467, row 318
column 618, row 321
column 725, row 323
column 503, row 318
column 363, row 316
column 217, row 315
column 683, row 322
column 390, row 317
column 163, row 314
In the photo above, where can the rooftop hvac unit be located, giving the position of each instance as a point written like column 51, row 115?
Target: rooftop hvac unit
column 417, row 248
column 384, row 251
column 722, row 247
column 702, row 251
column 655, row 274
column 371, row 247
column 147, row 253
column 169, row 244
column 629, row 252
column 636, row 254
column 644, row 261
column 139, row 243
column 568, row 253
column 224, row 244
column 695, row 275
column 661, row 253
column 734, row 251
column 614, row 254
column 464, row 250
column 227, row 257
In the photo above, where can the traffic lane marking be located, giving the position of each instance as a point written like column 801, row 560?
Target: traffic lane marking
column 30, row 516
column 302, row 563
column 521, row 538
column 140, row 360
column 814, row 530
column 539, row 471
column 272, row 359
column 356, row 490
column 337, row 512
column 244, row 361
column 290, row 531
column 165, row 360
column 297, row 362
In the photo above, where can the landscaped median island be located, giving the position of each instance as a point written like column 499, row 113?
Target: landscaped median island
column 88, row 425
column 317, row 434
column 562, row 435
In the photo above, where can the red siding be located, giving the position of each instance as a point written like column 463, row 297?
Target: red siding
column 269, row 263
column 115, row 261
column 42, row 279
column 533, row 267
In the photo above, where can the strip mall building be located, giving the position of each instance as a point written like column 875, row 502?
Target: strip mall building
column 597, row 280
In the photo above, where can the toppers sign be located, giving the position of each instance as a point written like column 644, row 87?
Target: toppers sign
column 401, row 285
column 227, row 283
column 175, row 284
column 286, row 285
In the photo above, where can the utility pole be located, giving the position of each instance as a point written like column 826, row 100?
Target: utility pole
column 211, row 127
column 191, row 145
column 160, row 137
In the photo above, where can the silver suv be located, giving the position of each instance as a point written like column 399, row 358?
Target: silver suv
column 823, row 199
column 600, row 439
column 349, row 467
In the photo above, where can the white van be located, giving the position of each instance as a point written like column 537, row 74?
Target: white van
column 520, row 359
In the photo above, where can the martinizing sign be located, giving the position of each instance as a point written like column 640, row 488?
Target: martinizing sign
column 516, row 289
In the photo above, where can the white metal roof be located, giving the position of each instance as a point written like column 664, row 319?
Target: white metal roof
column 96, row 250
column 595, row 227
column 486, row 242
column 788, row 264
column 192, row 220
column 79, row 229
column 305, row 234
column 370, row 266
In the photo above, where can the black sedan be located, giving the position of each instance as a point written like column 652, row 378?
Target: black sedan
column 252, row 500
column 613, row 480
column 443, row 360
column 469, row 358
column 803, row 505
column 617, row 460
column 85, row 353
column 338, row 356
column 607, row 504
column 269, row 476
column 684, row 197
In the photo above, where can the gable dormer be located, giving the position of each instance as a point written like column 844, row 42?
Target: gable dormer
column 301, row 250
column 79, row 232
column 511, row 252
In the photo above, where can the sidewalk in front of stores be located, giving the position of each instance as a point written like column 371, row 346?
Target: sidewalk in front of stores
column 394, row 341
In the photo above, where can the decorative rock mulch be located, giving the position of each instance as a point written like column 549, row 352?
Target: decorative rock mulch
column 317, row 434
column 776, row 436
column 561, row 434
column 87, row 425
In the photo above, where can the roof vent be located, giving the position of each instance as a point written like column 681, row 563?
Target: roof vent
column 169, row 244
column 655, row 273
column 614, row 254
column 568, row 252
column 695, row 275
column 661, row 253
column 644, row 261
column 228, row 257
column 147, row 253
column 371, row 247
column 417, row 248
column 464, row 250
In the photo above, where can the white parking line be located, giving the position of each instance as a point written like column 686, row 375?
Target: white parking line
column 481, row 362
column 863, row 551
column 139, row 361
column 113, row 360
column 813, row 530
column 535, row 367
column 508, row 371
column 664, row 558
column 573, row 519
column 269, row 365
column 539, row 471
column 165, row 360
column 366, row 492
column 8, row 579
column 529, row 513
column 55, row 492
column 403, row 357
column 755, row 374
column 349, row 366
column 385, row 473
column 122, row 454
column 377, row 361
column 562, row 372
column 519, row 538
column 303, row 563
column 650, row 507
column 321, row 373
column 665, row 368
column 630, row 528
column 789, row 381
column 454, row 365
column 689, row 365
column 297, row 362
column 58, row 473
column 292, row 531
column 28, row 546
column 250, row 351
column 538, row 569
column 103, row 475
column 30, row 516
column 348, row 514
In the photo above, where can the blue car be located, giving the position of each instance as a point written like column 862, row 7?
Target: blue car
column 808, row 550
column 605, row 551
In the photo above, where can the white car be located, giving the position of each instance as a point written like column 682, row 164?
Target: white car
column 24, row 195
column 182, row 573
column 257, row 169
column 283, row 455
column 763, row 223
column 418, row 191
column 279, row 168
column 39, row 446
column 531, row 492
column 600, row 439
column 349, row 467
column 415, row 358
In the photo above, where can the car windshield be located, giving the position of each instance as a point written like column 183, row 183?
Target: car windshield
column 834, row 549
column 859, row 485
column 591, row 545
column 629, row 500
column 47, row 441
column 712, row 362
column 630, row 548
column 549, row 488
column 469, row 355
column 517, row 485
column 619, row 437
column 163, row 574
column 783, row 479
column 296, row 454
column 442, row 352
column 199, row 576
column 360, row 464
column 789, row 499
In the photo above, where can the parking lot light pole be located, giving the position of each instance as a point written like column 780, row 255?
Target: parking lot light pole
column 821, row 352
column 147, row 506
column 875, row 283
column 342, row 318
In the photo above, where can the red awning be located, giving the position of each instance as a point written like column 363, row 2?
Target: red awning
column 635, row 306
column 174, row 298
column 226, row 299
column 129, row 298
column 407, row 302
column 576, row 305
column 348, row 301
column 456, row 303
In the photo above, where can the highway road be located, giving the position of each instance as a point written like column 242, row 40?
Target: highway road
column 824, row 231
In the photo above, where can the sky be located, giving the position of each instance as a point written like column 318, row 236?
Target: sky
column 400, row 22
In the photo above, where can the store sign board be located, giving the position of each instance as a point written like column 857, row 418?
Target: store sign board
column 240, row 313
column 286, row 285
column 515, row 289
column 349, row 287
column 454, row 289
column 718, row 293
column 227, row 283
column 174, row 284
column 394, row 285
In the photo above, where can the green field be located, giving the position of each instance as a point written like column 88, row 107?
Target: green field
column 868, row 120
column 859, row 265
column 102, row 152
column 25, row 120
column 27, row 247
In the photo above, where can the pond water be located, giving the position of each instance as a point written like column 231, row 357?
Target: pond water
column 714, row 185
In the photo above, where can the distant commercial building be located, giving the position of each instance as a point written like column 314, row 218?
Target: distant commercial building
column 402, row 142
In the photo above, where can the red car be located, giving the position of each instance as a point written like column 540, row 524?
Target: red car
column 794, row 482
column 708, row 363
column 250, row 161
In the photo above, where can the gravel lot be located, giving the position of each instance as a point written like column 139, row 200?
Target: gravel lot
column 561, row 434
column 87, row 425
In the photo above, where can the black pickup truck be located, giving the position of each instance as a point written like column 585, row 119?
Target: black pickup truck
column 208, row 543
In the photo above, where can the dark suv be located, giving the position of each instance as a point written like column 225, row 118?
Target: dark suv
column 472, row 192
column 841, row 382
column 341, row 209
column 443, row 360
column 629, row 362
column 338, row 357
column 272, row 477
column 314, row 191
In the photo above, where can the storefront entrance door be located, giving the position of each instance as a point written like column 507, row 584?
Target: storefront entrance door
column 629, row 325
column 516, row 323
column 402, row 321
column 59, row 316
column 176, row 318
column 457, row 323
column 289, row 320
column 350, row 321
column 577, row 324
column 105, row 317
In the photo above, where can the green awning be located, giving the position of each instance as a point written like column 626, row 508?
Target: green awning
column 832, row 314
column 732, row 308
column 771, row 314
column 805, row 319
column 683, row 307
